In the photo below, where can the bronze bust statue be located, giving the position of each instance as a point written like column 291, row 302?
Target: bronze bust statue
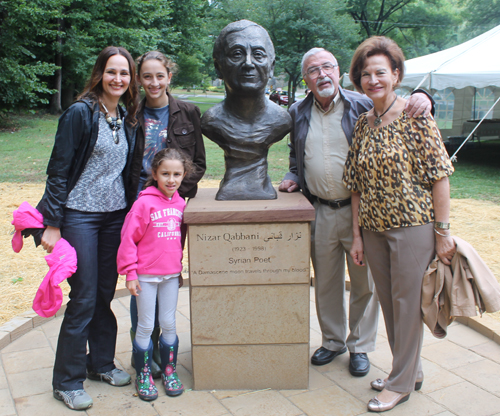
column 245, row 124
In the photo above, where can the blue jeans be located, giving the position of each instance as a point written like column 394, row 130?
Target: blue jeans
column 88, row 317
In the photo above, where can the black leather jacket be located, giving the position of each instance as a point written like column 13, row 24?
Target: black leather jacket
column 74, row 142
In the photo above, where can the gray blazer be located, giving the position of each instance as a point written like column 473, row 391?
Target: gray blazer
column 354, row 105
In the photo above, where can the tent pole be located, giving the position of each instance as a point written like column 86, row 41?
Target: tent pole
column 475, row 92
column 454, row 157
column 418, row 86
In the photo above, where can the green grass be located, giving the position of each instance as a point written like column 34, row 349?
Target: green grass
column 25, row 151
column 26, row 146
column 204, row 103
column 203, row 107
column 209, row 100
column 477, row 173
column 184, row 91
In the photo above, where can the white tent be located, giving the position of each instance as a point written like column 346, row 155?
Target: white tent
column 462, row 69
column 475, row 63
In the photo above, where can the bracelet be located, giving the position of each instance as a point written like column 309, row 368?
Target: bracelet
column 442, row 235
column 442, row 225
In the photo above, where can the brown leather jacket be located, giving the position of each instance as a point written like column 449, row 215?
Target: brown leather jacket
column 184, row 133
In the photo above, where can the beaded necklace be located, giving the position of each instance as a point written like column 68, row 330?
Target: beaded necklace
column 114, row 125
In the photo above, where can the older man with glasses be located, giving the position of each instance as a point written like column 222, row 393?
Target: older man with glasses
column 322, row 128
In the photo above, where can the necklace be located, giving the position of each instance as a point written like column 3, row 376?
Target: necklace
column 378, row 118
column 114, row 125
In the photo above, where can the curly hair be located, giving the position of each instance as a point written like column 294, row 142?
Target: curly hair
column 169, row 154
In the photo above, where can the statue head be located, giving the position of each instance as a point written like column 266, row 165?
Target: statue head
column 244, row 57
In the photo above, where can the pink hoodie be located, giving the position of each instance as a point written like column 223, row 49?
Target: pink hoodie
column 62, row 261
column 151, row 236
column 62, row 264
column 24, row 217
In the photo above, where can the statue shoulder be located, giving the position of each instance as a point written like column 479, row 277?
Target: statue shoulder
column 215, row 122
column 279, row 115
column 212, row 114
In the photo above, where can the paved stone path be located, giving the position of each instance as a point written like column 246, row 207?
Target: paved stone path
column 462, row 377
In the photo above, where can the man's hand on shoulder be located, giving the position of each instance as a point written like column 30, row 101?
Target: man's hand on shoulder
column 288, row 186
column 418, row 104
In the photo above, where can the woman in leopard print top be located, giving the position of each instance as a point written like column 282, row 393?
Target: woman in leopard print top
column 397, row 169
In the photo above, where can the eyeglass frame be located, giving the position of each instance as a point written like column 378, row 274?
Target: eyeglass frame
column 321, row 68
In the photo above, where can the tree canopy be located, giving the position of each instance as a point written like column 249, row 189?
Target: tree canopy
column 48, row 47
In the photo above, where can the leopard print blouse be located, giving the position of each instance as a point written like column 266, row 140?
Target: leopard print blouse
column 394, row 168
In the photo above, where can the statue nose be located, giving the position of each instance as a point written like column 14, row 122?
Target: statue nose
column 248, row 60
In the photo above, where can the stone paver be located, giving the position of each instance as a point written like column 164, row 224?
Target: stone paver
column 462, row 377
column 466, row 399
column 484, row 374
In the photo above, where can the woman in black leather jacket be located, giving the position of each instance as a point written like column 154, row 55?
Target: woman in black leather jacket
column 86, row 197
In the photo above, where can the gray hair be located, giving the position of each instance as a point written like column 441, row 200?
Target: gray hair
column 312, row 52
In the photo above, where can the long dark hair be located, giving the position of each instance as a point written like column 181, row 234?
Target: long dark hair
column 93, row 89
column 169, row 154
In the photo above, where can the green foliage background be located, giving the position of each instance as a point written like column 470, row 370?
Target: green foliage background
column 49, row 46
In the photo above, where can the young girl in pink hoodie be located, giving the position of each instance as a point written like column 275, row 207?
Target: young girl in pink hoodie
column 150, row 255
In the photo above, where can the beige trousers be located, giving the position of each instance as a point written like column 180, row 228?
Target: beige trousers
column 398, row 259
column 331, row 234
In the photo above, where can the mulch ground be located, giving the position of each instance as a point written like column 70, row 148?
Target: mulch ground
column 477, row 222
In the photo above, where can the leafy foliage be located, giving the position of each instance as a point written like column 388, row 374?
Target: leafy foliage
column 418, row 26
column 480, row 15
column 49, row 46
column 190, row 74
column 21, row 70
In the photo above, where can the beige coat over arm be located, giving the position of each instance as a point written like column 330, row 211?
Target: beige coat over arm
column 463, row 288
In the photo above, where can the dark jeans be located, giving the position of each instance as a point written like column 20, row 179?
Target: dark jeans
column 88, row 317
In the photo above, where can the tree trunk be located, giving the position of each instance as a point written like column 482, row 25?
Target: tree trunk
column 55, row 101
column 68, row 95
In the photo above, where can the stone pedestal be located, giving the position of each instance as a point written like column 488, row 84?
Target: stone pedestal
column 249, row 290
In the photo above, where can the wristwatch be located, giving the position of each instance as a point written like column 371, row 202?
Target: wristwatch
column 442, row 225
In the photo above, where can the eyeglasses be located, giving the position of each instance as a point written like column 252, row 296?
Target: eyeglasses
column 314, row 72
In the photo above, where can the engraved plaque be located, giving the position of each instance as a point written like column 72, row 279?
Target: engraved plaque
column 242, row 254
